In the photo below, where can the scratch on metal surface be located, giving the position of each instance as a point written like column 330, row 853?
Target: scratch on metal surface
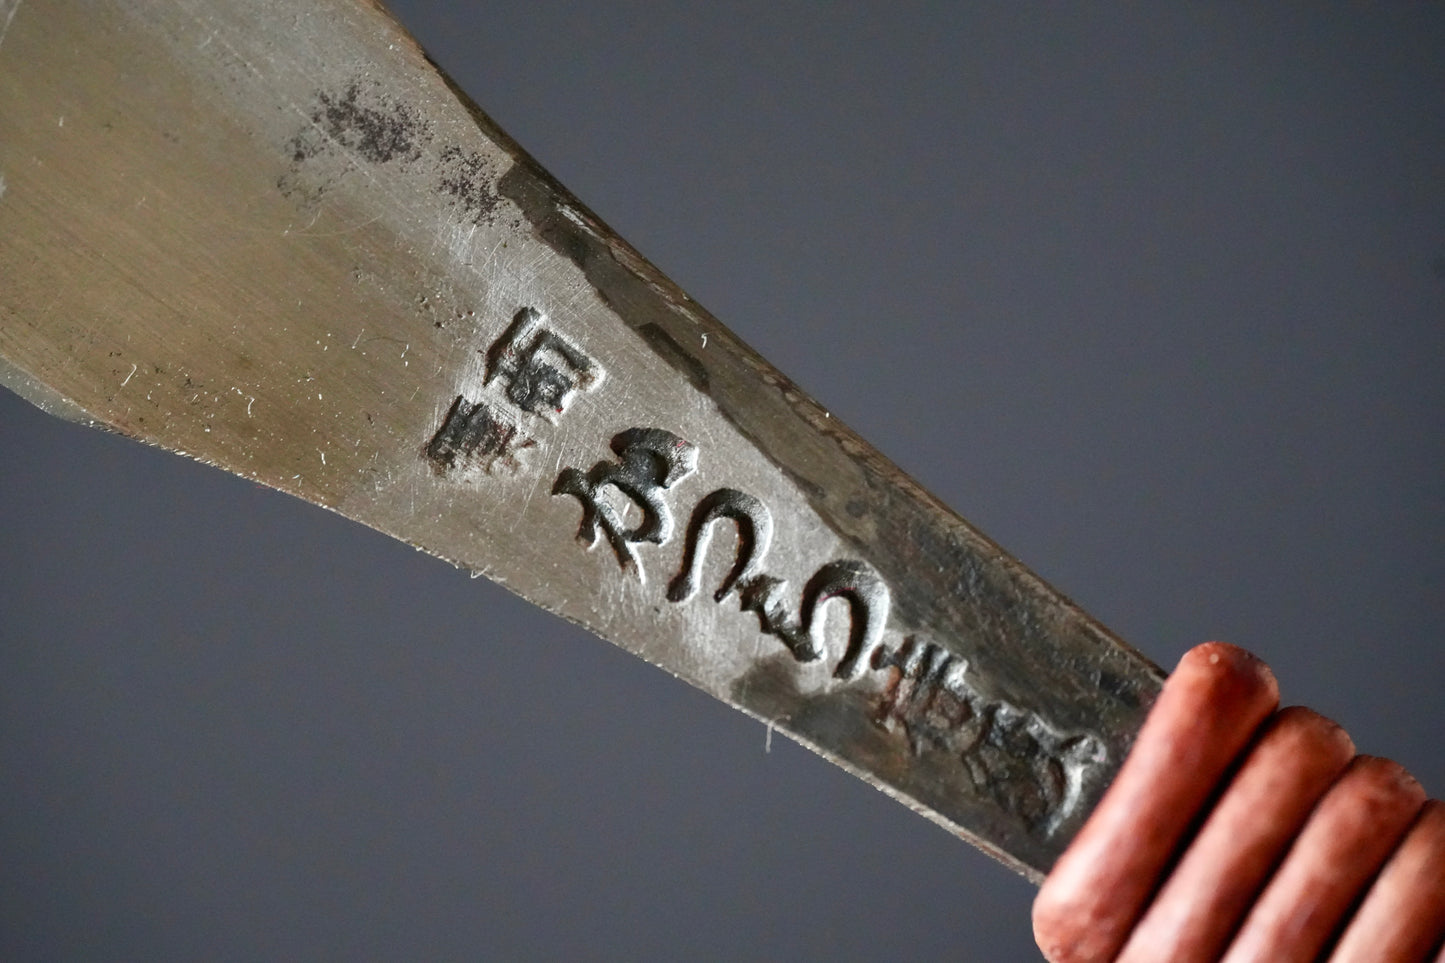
column 527, row 501
column 339, row 232
column 2, row 176
column 7, row 14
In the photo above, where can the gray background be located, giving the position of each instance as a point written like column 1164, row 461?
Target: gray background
column 1155, row 297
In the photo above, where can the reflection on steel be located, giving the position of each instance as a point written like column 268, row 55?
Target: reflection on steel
column 345, row 282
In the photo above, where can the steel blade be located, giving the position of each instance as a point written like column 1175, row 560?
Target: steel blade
column 1207, row 336
column 1127, row 456
column 309, row 261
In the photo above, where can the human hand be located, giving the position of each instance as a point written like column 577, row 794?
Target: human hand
column 1308, row 849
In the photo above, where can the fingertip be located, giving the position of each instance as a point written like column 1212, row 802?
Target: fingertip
column 1207, row 713
column 1232, row 667
column 1307, row 726
column 1383, row 782
column 1062, row 926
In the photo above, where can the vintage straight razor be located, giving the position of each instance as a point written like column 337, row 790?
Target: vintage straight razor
column 290, row 248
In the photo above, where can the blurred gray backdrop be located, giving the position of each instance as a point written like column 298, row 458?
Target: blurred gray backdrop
column 1153, row 295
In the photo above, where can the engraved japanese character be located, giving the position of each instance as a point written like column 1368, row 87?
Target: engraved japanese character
column 475, row 432
column 1029, row 768
column 543, row 370
column 650, row 460
column 917, row 698
column 754, row 535
column 868, row 602
column 854, row 581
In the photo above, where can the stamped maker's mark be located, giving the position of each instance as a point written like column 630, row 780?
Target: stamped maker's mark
column 475, row 433
column 535, row 371
column 543, row 370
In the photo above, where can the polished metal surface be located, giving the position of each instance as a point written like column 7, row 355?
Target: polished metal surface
column 272, row 237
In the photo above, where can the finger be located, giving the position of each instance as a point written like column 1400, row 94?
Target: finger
column 1403, row 917
column 1207, row 712
column 1346, row 841
column 1207, row 895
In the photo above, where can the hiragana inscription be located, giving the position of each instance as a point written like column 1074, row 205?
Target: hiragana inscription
column 649, row 460
column 1029, row 768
